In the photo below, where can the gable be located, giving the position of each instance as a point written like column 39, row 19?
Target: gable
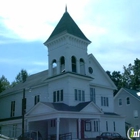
column 91, row 108
column 67, row 24
column 40, row 108
column 123, row 93
column 99, row 74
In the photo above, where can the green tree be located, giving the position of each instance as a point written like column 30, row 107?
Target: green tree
column 21, row 77
column 4, row 83
column 131, row 75
column 116, row 77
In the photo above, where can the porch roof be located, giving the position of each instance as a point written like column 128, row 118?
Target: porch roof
column 65, row 107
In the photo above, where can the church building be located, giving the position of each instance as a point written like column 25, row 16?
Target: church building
column 73, row 99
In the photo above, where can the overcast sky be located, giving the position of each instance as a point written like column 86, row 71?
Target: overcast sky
column 113, row 26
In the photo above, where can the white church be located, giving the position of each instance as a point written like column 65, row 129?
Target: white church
column 73, row 98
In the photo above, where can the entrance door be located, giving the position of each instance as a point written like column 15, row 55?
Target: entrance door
column 82, row 129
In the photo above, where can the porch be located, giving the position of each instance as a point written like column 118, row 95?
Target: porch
column 67, row 128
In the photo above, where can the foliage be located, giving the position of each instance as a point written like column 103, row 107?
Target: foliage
column 130, row 78
column 20, row 78
column 4, row 83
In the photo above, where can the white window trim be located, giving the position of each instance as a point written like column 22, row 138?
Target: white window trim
column 119, row 101
column 79, row 96
column 129, row 101
column 58, row 100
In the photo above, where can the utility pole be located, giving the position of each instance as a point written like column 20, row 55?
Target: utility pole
column 23, row 112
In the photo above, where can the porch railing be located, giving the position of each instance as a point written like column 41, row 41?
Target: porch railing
column 65, row 136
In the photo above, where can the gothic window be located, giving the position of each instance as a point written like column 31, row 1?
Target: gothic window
column 82, row 66
column 54, row 67
column 62, row 64
column 73, row 62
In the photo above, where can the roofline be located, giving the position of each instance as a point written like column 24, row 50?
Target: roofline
column 115, row 88
column 127, row 92
column 62, row 35
column 118, row 93
column 85, row 77
column 21, row 90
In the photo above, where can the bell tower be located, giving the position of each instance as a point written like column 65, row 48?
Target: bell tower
column 67, row 48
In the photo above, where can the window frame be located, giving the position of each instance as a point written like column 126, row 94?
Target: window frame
column 128, row 100
column 12, row 113
column 79, row 95
column 104, row 101
column 120, row 102
column 92, row 94
column 58, row 96
column 88, row 126
column 36, row 99
column 107, row 126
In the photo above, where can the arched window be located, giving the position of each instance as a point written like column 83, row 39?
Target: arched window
column 62, row 64
column 54, row 67
column 82, row 66
column 73, row 63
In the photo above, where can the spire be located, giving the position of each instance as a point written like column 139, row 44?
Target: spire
column 67, row 25
column 66, row 8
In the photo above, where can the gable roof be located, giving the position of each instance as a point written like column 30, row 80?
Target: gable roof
column 111, row 83
column 130, row 91
column 65, row 107
column 67, row 25
column 31, row 81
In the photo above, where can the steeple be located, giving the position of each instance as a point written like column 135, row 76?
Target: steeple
column 67, row 25
column 67, row 48
column 66, row 9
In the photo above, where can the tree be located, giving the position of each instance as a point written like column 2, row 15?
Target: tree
column 131, row 75
column 21, row 77
column 130, row 78
column 4, row 83
column 116, row 77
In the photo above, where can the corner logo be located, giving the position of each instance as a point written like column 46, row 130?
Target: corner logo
column 133, row 134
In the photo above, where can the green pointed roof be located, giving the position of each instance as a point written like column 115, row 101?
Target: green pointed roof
column 67, row 24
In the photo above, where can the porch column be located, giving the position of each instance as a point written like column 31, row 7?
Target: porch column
column 99, row 125
column 79, row 128
column 57, row 130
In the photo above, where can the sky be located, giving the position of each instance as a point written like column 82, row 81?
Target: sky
column 113, row 27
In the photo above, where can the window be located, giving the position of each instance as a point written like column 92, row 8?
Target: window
column 73, row 62
column 79, row 95
column 12, row 109
column 104, row 101
column 58, row 96
column 120, row 102
column 114, row 126
column 14, row 133
column 92, row 95
column 82, row 66
column 62, row 64
column 54, row 67
column 127, row 100
column 36, row 99
column 96, row 126
column 87, row 126
column 106, row 126
column 53, row 123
